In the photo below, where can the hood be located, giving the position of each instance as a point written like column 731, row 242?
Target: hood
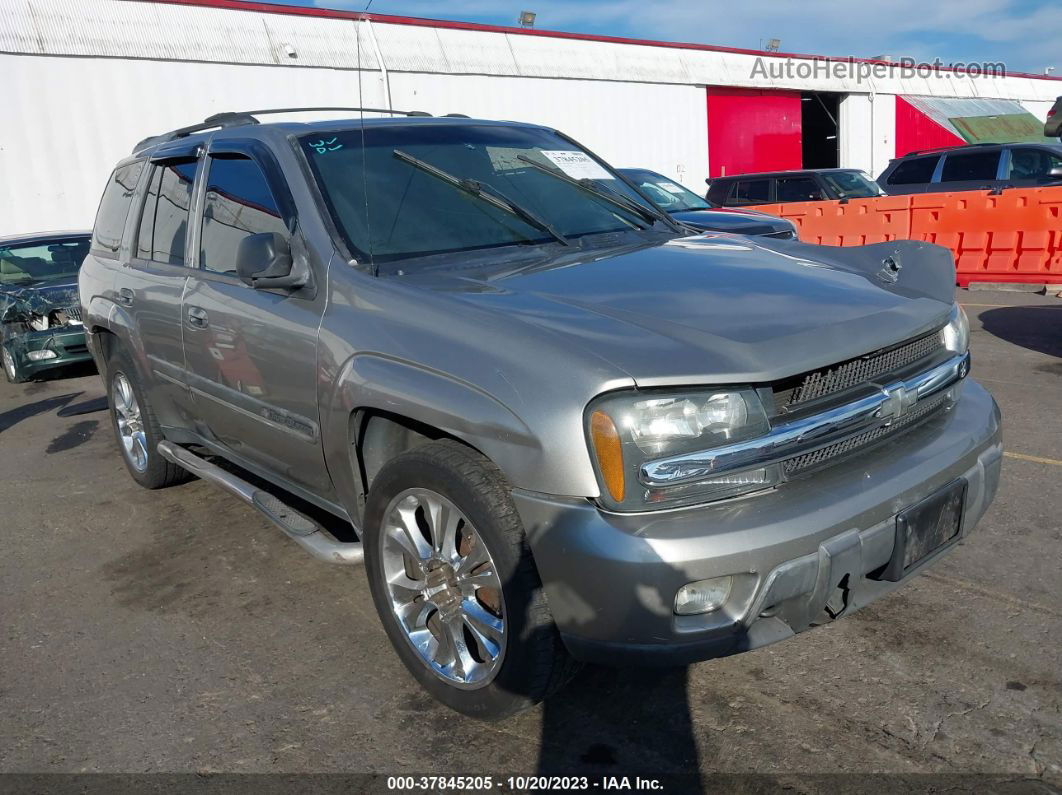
column 717, row 308
column 739, row 222
column 17, row 303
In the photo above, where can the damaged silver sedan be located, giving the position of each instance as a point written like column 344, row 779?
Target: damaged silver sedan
column 40, row 317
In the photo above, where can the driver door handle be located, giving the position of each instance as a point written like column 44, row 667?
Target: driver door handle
column 197, row 317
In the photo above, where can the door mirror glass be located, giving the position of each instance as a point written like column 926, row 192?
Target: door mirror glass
column 1055, row 173
column 264, row 260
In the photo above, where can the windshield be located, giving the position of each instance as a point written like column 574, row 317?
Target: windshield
column 398, row 199
column 852, row 185
column 26, row 265
column 668, row 196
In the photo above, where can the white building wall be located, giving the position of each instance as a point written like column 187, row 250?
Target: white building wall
column 86, row 79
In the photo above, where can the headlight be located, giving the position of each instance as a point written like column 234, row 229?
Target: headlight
column 36, row 356
column 627, row 429
column 956, row 334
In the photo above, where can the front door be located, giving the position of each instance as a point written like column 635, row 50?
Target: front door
column 251, row 355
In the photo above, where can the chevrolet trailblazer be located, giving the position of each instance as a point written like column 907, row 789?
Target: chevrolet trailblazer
column 554, row 424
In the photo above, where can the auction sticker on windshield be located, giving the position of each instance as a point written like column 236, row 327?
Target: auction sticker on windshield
column 670, row 187
column 577, row 165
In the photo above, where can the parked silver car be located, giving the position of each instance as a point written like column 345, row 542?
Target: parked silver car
column 563, row 428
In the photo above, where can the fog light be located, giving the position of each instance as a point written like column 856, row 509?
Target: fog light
column 36, row 356
column 703, row 596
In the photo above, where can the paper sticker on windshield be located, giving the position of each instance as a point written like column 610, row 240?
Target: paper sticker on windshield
column 576, row 165
column 671, row 187
column 506, row 158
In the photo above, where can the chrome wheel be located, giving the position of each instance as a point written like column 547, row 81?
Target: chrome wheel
column 130, row 424
column 443, row 588
column 9, row 364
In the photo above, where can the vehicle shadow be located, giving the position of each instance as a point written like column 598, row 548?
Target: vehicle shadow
column 1037, row 328
column 12, row 417
column 620, row 721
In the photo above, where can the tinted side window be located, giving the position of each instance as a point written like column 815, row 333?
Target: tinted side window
column 976, row 165
column 915, row 171
column 239, row 203
column 798, row 189
column 164, row 221
column 114, row 208
column 752, row 191
column 1032, row 163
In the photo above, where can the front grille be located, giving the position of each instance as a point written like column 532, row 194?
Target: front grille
column 830, row 380
column 921, row 411
column 73, row 313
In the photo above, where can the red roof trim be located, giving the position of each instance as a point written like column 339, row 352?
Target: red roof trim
column 388, row 19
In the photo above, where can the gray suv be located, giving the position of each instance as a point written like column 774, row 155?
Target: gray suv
column 975, row 167
column 553, row 424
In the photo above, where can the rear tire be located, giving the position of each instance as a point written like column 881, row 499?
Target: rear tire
column 409, row 576
column 135, row 426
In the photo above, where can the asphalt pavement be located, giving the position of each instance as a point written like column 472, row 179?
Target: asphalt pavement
column 177, row 631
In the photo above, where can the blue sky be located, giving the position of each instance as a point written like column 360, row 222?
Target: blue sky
column 1023, row 34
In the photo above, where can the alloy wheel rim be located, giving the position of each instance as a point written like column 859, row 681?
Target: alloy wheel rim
column 444, row 588
column 130, row 424
column 9, row 363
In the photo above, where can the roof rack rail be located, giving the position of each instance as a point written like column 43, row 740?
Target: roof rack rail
column 245, row 117
column 937, row 149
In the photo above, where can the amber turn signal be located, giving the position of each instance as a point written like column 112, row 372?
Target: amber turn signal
column 609, row 453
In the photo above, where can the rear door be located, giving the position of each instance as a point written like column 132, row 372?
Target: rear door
column 252, row 354
column 966, row 170
column 150, row 289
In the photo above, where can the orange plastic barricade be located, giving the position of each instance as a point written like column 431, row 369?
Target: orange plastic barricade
column 1013, row 236
column 852, row 223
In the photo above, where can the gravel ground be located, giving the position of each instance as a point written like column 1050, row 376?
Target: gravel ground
column 177, row 631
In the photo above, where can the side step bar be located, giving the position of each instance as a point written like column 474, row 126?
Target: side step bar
column 304, row 530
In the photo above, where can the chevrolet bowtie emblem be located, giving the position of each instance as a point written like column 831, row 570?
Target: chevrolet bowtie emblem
column 897, row 401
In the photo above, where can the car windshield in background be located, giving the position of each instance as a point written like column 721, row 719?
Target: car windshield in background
column 852, row 185
column 25, row 265
column 669, row 196
column 429, row 189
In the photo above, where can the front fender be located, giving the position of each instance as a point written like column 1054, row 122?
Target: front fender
column 462, row 410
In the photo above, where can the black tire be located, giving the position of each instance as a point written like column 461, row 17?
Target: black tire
column 535, row 663
column 11, row 371
column 158, row 472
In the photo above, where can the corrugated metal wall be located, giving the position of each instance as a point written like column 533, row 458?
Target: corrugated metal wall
column 87, row 79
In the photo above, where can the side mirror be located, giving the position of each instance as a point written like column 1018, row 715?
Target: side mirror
column 264, row 260
column 1055, row 173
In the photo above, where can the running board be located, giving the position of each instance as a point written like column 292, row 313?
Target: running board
column 301, row 528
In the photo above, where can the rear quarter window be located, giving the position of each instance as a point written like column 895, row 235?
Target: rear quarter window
column 114, row 209
column 752, row 191
column 915, row 171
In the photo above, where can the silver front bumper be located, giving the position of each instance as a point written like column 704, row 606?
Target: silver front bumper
column 611, row 579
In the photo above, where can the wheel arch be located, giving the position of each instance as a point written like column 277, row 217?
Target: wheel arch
column 382, row 407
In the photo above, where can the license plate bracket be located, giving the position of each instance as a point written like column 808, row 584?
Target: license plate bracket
column 925, row 528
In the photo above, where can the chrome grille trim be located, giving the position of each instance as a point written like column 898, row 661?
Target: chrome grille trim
column 824, row 456
column 805, row 435
column 854, row 372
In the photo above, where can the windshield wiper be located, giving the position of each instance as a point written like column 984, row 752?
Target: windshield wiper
column 601, row 192
column 485, row 193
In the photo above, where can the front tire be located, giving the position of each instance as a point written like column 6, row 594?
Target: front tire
column 135, row 426
column 456, row 586
column 11, row 370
